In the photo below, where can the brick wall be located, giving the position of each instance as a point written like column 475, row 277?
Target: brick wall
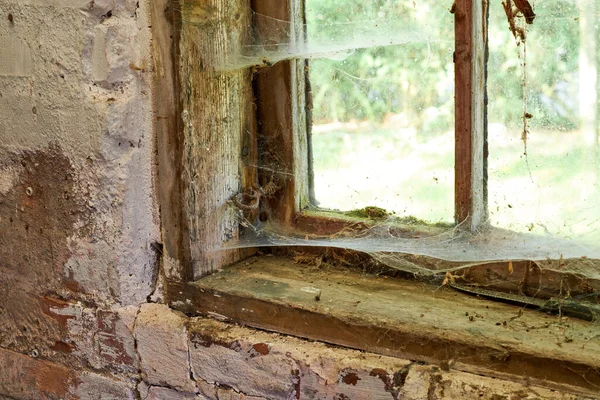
column 78, row 220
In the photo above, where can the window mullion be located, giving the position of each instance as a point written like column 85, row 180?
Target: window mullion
column 470, row 39
column 281, row 98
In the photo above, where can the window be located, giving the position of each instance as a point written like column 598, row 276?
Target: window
column 296, row 165
column 239, row 165
column 298, row 170
column 383, row 117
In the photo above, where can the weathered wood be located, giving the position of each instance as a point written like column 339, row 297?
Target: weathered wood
column 281, row 101
column 167, row 106
column 216, row 109
column 399, row 318
column 328, row 223
column 470, row 36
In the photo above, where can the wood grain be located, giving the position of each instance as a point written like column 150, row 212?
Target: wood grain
column 167, row 106
column 281, row 102
column 399, row 318
column 217, row 113
column 470, row 30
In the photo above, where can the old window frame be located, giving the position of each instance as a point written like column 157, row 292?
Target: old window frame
column 206, row 125
column 278, row 84
column 192, row 197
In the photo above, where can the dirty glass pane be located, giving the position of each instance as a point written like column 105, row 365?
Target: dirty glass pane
column 383, row 125
column 551, row 185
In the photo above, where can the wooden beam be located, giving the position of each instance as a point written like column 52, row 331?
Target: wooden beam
column 167, row 106
column 399, row 318
column 470, row 37
column 217, row 113
column 281, row 102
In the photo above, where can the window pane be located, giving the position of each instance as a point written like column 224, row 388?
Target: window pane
column 554, row 188
column 383, row 126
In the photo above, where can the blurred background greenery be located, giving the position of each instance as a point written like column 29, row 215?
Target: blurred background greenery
column 383, row 117
column 373, row 83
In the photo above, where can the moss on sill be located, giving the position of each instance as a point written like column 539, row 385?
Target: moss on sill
column 372, row 216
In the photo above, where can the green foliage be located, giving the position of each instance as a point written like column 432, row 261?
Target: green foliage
column 416, row 80
column 369, row 212
column 413, row 79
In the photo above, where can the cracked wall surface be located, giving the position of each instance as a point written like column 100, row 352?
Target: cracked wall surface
column 232, row 362
column 80, row 313
column 78, row 210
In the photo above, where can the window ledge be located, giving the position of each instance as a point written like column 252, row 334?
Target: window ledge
column 399, row 318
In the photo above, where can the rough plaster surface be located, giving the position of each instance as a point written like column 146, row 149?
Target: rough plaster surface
column 75, row 84
column 78, row 214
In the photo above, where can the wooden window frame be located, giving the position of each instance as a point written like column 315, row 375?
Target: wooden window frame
column 282, row 89
column 209, row 123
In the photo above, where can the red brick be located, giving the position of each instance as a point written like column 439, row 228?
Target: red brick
column 25, row 377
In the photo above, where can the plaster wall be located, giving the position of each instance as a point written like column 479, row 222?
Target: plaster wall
column 78, row 210
column 76, row 110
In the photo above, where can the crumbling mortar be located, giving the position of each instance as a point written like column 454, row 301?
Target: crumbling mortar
column 189, row 358
column 138, row 395
column 237, row 391
column 434, row 379
column 150, row 387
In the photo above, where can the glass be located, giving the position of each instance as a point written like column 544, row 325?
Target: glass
column 383, row 117
column 554, row 188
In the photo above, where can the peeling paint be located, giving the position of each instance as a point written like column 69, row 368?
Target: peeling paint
column 8, row 179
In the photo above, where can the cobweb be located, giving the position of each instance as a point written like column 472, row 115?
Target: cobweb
column 382, row 149
column 544, row 200
column 279, row 40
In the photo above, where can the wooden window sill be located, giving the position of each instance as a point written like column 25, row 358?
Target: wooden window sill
column 399, row 318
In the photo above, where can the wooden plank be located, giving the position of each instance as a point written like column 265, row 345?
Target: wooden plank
column 470, row 30
column 216, row 115
column 399, row 318
column 281, row 102
column 167, row 106
column 540, row 279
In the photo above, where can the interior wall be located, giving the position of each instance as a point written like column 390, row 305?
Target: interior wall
column 78, row 211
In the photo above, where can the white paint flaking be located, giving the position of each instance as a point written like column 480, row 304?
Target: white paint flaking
column 8, row 179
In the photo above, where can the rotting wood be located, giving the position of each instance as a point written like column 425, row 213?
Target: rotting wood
column 401, row 319
column 526, row 10
column 167, row 106
column 512, row 12
column 540, row 279
column 470, row 30
column 327, row 223
column 217, row 113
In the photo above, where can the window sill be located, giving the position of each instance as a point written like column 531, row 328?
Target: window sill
column 399, row 318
